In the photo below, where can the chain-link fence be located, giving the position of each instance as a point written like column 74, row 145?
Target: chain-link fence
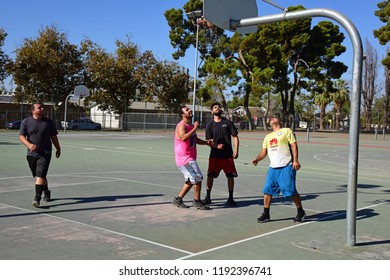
column 126, row 121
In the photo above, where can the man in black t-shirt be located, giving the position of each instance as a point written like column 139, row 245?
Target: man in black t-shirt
column 221, row 130
column 38, row 134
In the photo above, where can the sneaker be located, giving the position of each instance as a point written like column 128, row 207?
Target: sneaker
column 47, row 196
column 179, row 202
column 264, row 218
column 36, row 200
column 300, row 217
column 206, row 200
column 230, row 202
column 200, row 205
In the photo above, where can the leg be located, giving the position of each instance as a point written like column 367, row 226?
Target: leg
column 297, row 200
column 40, row 181
column 301, row 213
column 230, row 201
column 267, row 200
column 197, row 202
column 265, row 217
column 197, row 190
column 230, row 181
column 210, row 181
column 212, row 172
column 185, row 189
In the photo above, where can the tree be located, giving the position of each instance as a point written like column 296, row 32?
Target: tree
column 386, row 98
column 383, row 33
column 267, row 59
column 321, row 99
column 113, row 78
column 287, row 57
column 212, row 48
column 167, row 81
column 370, row 87
column 4, row 59
column 339, row 97
column 47, row 68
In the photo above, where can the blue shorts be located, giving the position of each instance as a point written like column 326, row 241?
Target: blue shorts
column 280, row 180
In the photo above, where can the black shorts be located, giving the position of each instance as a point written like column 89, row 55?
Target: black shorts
column 39, row 165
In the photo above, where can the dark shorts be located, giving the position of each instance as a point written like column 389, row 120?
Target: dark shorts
column 218, row 164
column 39, row 165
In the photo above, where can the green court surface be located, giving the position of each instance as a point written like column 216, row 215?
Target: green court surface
column 112, row 194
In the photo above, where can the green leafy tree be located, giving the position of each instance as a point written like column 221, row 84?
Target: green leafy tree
column 4, row 59
column 321, row 99
column 339, row 97
column 127, row 75
column 46, row 68
column 383, row 33
column 113, row 78
column 274, row 59
column 167, row 81
column 211, row 47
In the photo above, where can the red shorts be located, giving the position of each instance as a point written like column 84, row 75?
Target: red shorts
column 218, row 164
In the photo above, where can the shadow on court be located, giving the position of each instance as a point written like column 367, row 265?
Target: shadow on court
column 119, row 205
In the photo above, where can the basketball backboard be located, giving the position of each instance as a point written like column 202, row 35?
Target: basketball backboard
column 81, row 91
column 220, row 12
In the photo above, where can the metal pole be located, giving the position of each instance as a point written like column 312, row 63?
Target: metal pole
column 355, row 96
column 195, row 71
column 308, row 133
column 66, row 106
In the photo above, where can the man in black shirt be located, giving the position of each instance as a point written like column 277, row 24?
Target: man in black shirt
column 38, row 134
column 221, row 130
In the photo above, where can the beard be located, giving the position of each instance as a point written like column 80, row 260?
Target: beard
column 219, row 113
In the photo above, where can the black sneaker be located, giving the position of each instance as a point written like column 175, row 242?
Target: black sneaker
column 300, row 217
column 47, row 196
column 206, row 200
column 230, row 202
column 36, row 200
column 264, row 218
column 179, row 202
column 200, row 205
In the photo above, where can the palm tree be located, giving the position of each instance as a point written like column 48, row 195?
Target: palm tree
column 339, row 97
column 321, row 99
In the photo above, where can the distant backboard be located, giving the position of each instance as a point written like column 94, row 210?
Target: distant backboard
column 220, row 12
column 81, row 91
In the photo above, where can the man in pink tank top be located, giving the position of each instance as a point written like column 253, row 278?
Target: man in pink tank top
column 185, row 141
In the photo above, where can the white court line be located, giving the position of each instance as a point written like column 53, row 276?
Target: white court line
column 271, row 232
column 86, row 174
column 65, row 185
column 102, row 229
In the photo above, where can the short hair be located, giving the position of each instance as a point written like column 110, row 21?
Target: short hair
column 215, row 103
column 180, row 111
column 32, row 108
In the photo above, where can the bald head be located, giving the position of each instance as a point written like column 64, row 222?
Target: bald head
column 274, row 121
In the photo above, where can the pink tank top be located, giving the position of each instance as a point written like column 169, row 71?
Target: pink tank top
column 185, row 151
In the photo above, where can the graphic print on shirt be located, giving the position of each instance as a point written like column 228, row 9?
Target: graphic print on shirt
column 273, row 142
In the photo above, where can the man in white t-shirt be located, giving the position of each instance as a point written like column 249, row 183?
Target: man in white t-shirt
column 282, row 149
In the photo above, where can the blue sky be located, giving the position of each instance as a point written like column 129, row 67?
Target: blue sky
column 143, row 21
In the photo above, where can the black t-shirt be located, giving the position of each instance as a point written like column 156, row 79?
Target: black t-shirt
column 221, row 132
column 39, row 132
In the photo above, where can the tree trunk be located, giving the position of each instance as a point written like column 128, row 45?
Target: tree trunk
column 322, row 117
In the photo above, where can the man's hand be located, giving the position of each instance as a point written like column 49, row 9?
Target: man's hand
column 196, row 124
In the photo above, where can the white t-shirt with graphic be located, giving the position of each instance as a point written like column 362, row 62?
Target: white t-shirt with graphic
column 278, row 148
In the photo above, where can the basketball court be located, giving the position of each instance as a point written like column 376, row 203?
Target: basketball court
column 112, row 194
